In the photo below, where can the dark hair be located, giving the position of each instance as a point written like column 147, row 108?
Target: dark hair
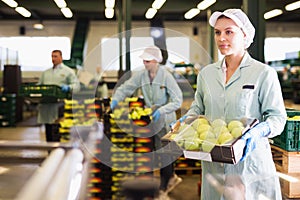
column 57, row 51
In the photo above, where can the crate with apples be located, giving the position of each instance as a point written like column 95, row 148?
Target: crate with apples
column 216, row 140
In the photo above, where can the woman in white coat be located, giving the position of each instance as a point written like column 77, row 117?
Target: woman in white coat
column 239, row 86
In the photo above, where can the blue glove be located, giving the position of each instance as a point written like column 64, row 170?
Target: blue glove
column 65, row 88
column 113, row 104
column 182, row 118
column 253, row 136
column 156, row 116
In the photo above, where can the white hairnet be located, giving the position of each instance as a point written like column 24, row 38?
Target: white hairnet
column 240, row 18
column 152, row 53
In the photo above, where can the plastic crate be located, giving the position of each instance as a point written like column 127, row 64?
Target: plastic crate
column 292, row 112
column 289, row 139
column 43, row 93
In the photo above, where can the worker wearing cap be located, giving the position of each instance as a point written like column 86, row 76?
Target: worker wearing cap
column 236, row 87
column 159, row 89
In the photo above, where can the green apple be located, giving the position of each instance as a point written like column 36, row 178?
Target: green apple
column 218, row 122
column 193, row 144
column 234, row 123
column 237, row 131
column 219, row 130
column 208, row 144
column 203, row 127
column 206, row 134
column 199, row 121
column 189, row 132
column 225, row 137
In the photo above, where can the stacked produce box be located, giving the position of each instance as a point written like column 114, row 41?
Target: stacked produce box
column 8, row 110
column 286, row 155
column 100, row 182
column 214, row 141
column 79, row 113
column 126, row 128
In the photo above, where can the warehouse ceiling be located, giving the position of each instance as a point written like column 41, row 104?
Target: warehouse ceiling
column 171, row 10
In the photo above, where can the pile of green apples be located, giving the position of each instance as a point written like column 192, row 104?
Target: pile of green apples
column 201, row 135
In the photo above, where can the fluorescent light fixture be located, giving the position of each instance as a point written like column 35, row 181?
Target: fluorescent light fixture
column 38, row 26
column 272, row 13
column 11, row 3
column 23, row 11
column 150, row 13
column 109, row 13
column 293, row 6
column 191, row 13
column 157, row 4
column 109, row 3
column 66, row 12
column 60, row 3
column 205, row 4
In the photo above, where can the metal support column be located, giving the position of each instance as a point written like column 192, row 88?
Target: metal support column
column 255, row 10
column 127, row 11
column 210, row 33
column 119, row 16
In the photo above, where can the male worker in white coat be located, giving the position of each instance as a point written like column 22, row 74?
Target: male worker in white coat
column 60, row 75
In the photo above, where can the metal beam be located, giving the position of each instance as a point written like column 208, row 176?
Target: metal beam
column 255, row 10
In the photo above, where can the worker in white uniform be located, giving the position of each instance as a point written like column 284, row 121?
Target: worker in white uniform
column 239, row 86
column 60, row 75
column 160, row 89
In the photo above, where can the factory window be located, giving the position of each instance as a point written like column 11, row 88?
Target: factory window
column 277, row 48
column 178, row 51
column 34, row 53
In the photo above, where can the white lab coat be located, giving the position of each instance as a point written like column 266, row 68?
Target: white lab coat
column 253, row 91
column 61, row 75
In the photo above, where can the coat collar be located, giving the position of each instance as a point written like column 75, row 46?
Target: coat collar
column 245, row 61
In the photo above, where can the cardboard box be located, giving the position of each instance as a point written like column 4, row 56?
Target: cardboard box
column 230, row 152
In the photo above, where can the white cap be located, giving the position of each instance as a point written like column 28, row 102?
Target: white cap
column 240, row 18
column 152, row 53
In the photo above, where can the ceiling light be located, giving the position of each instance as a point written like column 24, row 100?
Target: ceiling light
column 66, row 12
column 150, row 13
column 191, row 13
column 109, row 13
column 23, row 11
column 293, row 6
column 205, row 4
column 11, row 3
column 38, row 26
column 157, row 4
column 109, row 3
column 60, row 3
column 272, row 13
